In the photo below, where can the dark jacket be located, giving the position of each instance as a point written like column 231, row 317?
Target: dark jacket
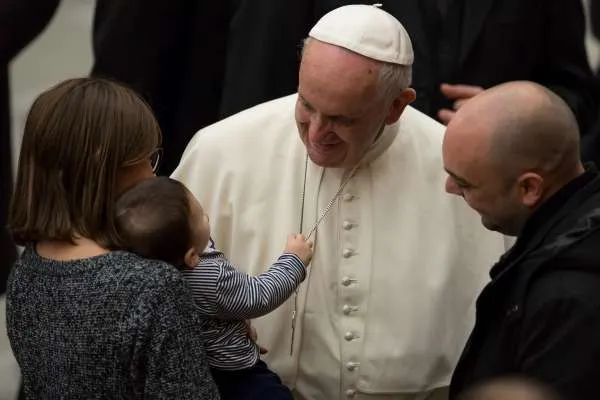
column 197, row 62
column 20, row 22
column 539, row 317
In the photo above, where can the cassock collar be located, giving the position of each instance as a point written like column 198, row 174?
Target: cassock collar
column 383, row 142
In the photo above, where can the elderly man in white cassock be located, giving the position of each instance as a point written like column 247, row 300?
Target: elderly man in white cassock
column 389, row 300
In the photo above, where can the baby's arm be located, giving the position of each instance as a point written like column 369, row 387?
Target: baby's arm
column 224, row 292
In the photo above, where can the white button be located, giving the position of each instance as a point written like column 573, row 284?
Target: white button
column 347, row 309
column 352, row 365
column 347, row 253
column 347, row 281
column 350, row 393
column 348, row 197
column 347, row 225
column 348, row 336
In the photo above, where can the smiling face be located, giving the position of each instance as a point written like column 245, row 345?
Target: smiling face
column 339, row 111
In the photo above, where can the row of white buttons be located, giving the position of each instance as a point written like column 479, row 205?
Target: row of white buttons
column 352, row 365
column 347, row 309
column 347, row 281
column 347, row 225
column 347, row 253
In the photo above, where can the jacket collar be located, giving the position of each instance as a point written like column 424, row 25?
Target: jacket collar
column 545, row 218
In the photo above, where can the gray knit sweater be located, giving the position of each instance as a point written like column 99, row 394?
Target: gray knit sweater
column 114, row 326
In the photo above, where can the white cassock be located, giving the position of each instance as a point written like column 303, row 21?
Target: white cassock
column 389, row 300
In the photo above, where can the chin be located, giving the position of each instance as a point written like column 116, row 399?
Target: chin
column 326, row 160
column 498, row 228
column 491, row 225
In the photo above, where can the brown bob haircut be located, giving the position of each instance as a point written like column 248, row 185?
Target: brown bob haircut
column 153, row 218
column 79, row 135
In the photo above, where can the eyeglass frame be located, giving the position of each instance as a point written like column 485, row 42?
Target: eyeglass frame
column 155, row 159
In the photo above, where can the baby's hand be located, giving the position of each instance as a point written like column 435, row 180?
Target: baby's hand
column 299, row 246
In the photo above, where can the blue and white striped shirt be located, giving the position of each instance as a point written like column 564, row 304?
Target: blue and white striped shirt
column 227, row 297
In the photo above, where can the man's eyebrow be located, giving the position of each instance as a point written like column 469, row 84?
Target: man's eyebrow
column 334, row 117
column 306, row 102
column 459, row 179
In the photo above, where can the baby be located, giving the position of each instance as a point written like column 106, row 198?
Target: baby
column 161, row 219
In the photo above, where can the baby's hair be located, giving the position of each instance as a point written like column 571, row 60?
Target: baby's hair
column 509, row 388
column 153, row 217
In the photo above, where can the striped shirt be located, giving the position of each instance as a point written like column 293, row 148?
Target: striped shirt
column 227, row 297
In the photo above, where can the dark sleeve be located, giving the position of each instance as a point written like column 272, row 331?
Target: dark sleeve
column 563, row 65
column 20, row 22
column 560, row 346
column 142, row 44
column 265, row 37
column 175, row 359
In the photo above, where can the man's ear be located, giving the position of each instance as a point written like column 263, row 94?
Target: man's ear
column 531, row 189
column 191, row 258
column 399, row 104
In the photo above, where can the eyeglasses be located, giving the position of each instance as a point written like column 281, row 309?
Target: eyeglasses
column 156, row 158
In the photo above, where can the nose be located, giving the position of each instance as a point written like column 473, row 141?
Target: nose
column 318, row 128
column 452, row 187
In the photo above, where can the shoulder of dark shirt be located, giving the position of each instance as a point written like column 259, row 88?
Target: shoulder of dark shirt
column 572, row 276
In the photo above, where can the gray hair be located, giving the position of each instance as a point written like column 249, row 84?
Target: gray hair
column 393, row 78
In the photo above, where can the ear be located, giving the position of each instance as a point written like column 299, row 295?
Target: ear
column 399, row 104
column 191, row 258
column 531, row 189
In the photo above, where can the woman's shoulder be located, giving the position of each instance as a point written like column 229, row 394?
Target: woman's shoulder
column 157, row 284
column 140, row 265
column 160, row 288
column 115, row 267
column 150, row 272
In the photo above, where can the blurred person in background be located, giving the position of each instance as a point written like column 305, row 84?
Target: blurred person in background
column 198, row 62
column 464, row 46
column 21, row 21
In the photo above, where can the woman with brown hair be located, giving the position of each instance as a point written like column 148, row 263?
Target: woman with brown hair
column 86, row 321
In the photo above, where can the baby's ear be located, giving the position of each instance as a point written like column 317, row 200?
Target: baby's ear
column 191, row 259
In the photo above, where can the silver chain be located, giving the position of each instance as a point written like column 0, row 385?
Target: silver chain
column 332, row 201
column 314, row 229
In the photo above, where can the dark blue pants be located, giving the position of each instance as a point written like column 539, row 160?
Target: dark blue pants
column 256, row 383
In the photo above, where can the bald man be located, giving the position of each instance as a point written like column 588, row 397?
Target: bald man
column 512, row 154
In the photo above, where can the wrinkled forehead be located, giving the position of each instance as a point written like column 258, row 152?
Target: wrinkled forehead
column 331, row 76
